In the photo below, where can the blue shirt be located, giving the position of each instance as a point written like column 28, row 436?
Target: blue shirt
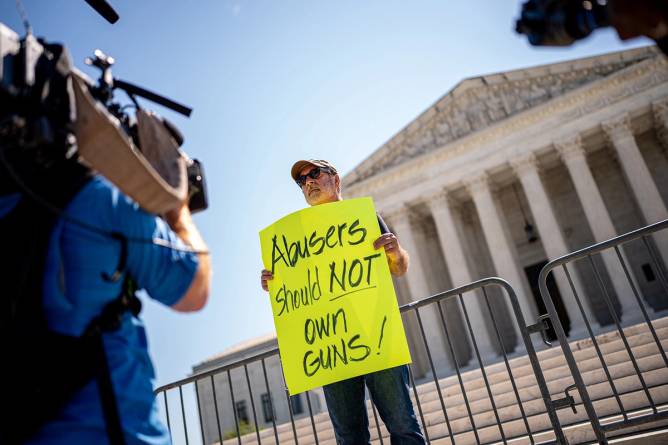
column 75, row 292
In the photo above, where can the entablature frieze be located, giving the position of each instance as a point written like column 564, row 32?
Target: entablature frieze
column 494, row 136
column 474, row 106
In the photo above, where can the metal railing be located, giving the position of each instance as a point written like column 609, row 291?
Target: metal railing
column 646, row 400
column 482, row 401
column 473, row 398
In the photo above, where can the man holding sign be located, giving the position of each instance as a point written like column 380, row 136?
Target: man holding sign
column 321, row 184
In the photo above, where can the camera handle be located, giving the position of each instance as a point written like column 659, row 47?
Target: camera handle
column 107, row 83
column 104, row 9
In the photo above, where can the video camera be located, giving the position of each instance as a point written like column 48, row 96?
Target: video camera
column 41, row 114
column 562, row 22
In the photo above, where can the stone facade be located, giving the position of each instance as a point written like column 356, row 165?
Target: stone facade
column 577, row 150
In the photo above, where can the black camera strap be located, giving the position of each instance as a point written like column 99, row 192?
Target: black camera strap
column 108, row 397
column 108, row 321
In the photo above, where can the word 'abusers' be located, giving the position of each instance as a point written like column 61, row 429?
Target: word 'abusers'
column 290, row 252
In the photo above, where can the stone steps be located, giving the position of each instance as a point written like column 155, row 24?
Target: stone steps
column 557, row 379
column 538, row 421
column 549, row 358
column 556, row 373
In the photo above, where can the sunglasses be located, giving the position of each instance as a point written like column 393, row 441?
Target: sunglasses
column 313, row 174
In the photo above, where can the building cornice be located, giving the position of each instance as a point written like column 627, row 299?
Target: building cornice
column 569, row 107
column 480, row 102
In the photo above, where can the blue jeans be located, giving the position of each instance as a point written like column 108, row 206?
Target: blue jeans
column 389, row 392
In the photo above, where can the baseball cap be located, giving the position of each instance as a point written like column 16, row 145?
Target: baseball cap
column 299, row 166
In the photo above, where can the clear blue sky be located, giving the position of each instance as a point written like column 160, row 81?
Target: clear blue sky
column 273, row 81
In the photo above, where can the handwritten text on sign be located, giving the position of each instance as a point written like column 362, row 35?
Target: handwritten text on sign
column 332, row 296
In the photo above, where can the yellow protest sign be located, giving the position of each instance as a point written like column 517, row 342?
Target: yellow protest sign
column 332, row 296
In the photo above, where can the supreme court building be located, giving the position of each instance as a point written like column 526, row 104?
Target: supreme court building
column 508, row 171
column 501, row 175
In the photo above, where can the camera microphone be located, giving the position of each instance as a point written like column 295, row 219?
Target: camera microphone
column 104, row 9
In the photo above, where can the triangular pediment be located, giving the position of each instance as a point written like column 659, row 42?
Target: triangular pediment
column 479, row 102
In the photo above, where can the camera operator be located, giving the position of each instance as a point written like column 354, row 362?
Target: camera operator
column 75, row 250
column 75, row 291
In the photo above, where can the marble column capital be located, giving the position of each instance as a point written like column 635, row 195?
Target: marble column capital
column 660, row 112
column 439, row 199
column 618, row 127
column 478, row 183
column 570, row 149
column 397, row 215
column 526, row 163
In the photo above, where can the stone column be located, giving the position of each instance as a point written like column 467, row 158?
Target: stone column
column 460, row 275
column 501, row 248
column 526, row 168
column 573, row 155
column 660, row 112
column 418, row 286
column 620, row 134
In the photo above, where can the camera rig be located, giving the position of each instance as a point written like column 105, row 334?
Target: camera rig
column 562, row 22
column 41, row 114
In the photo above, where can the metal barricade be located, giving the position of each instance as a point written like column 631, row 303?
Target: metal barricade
column 634, row 391
column 483, row 401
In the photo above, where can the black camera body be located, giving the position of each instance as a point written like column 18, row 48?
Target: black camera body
column 36, row 106
column 37, row 109
column 561, row 22
column 197, row 196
